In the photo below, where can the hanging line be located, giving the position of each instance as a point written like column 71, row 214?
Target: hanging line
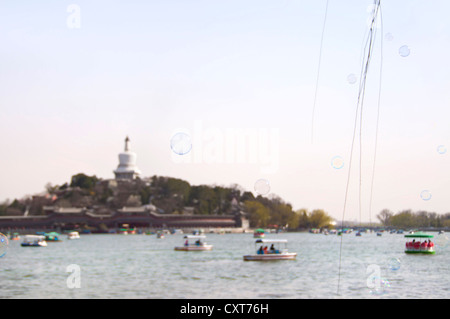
column 318, row 71
column 359, row 109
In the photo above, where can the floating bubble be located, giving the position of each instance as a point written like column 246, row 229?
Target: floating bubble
column 404, row 51
column 441, row 240
column 181, row 143
column 3, row 244
column 394, row 264
column 262, row 186
column 337, row 162
column 389, row 37
column 351, row 78
column 380, row 286
column 425, row 195
column 441, row 149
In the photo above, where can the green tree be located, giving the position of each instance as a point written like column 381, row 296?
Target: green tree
column 404, row 219
column 3, row 207
column 319, row 218
column 385, row 217
column 259, row 215
column 303, row 220
column 282, row 215
column 203, row 198
column 83, row 181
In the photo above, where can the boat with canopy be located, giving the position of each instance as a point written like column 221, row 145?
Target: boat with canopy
column 259, row 233
column 423, row 244
column 34, row 241
column 52, row 237
column 277, row 251
column 73, row 235
column 194, row 243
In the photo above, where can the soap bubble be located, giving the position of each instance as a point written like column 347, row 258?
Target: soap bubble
column 351, row 78
column 262, row 186
column 3, row 244
column 404, row 51
column 441, row 240
column 425, row 195
column 380, row 286
column 394, row 264
column 441, row 149
column 181, row 143
column 389, row 37
column 337, row 162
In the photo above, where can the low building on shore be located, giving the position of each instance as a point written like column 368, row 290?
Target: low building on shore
column 146, row 216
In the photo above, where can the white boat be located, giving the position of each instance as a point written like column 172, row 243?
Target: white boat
column 34, row 241
column 73, row 235
column 194, row 243
column 277, row 251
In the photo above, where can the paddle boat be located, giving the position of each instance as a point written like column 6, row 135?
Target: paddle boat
column 160, row 234
column 126, row 230
column 73, row 235
column 34, row 241
column 259, row 233
column 52, row 237
column 198, row 232
column 194, row 243
column 419, row 247
column 15, row 236
column 277, row 251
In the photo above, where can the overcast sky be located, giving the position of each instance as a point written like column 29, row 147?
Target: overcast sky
column 239, row 77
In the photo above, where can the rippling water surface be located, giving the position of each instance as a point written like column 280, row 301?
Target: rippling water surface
column 143, row 266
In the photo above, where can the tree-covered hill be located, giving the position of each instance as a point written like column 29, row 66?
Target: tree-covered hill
column 170, row 195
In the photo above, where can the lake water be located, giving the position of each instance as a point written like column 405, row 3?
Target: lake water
column 143, row 266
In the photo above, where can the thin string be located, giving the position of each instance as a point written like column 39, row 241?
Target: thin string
column 318, row 71
column 378, row 119
column 359, row 109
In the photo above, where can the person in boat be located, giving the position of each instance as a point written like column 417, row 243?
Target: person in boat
column 260, row 250
column 186, row 243
column 265, row 250
column 424, row 245
column 272, row 249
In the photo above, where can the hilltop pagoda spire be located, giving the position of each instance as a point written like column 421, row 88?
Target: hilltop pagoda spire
column 127, row 141
column 127, row 168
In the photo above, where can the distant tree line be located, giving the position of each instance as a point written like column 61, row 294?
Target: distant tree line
column 410, row 219
column 275, row 213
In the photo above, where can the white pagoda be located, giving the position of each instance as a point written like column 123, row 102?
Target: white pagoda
column 127, row 168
